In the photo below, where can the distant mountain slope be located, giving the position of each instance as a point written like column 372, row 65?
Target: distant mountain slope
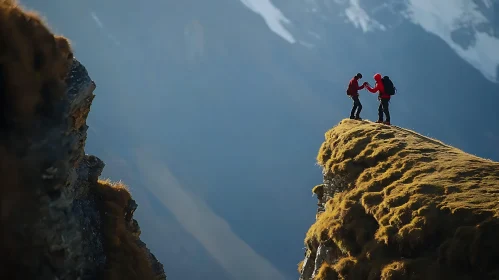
column 397, row 205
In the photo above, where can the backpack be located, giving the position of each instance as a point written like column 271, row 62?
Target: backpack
column 390, row 89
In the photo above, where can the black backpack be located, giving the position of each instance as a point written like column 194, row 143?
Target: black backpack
column 390, row 89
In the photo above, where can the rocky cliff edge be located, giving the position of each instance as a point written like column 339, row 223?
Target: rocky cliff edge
column 57, row 219
column 397, row 205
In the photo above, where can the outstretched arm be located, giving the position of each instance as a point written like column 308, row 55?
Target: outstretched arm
column 372, row 90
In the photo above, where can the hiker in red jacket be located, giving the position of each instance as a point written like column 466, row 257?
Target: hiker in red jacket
column 353, row 92
column 383, row 97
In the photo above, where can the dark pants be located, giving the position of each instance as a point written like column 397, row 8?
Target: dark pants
column 383, row 108
column 356, row 106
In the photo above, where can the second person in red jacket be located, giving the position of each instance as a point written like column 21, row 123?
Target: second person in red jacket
column 383, row 98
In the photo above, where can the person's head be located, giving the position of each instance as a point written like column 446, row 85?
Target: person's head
column 358, row 76
column 377, row 77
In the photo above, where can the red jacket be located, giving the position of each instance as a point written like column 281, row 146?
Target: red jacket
column 378, row 87
column 353, row 85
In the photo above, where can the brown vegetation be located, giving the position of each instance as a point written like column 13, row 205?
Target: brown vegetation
column 32, row 71
column 414, row 208
column 33, row 65
column 125, row 260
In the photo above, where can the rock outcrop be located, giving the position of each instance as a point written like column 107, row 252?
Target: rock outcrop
column 397, row 205
column 57, row 220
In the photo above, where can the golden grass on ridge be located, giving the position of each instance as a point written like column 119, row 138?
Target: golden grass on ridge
column 409, row 197
column 125, row 259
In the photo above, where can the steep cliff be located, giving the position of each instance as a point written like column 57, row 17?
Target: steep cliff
column 57, row 220
column 397, row 205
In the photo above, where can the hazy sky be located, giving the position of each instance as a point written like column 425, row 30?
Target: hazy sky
column 213, row 111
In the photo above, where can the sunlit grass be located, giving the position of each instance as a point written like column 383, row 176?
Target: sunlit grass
column 408, row 196
column 125, row 259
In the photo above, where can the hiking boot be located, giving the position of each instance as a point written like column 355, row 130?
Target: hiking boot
column 352, row 117
column 387, row 123
column 358, row 118
column 379, row 121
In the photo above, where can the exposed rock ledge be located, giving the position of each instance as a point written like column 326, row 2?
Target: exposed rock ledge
column 397, row 205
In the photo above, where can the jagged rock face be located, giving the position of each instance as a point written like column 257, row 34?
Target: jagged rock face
column 397, row 205
column 84, row 173
column 88, row 169
column 69, row 224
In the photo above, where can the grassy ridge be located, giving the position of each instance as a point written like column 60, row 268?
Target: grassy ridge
column 125, row 260
column 414, row 207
